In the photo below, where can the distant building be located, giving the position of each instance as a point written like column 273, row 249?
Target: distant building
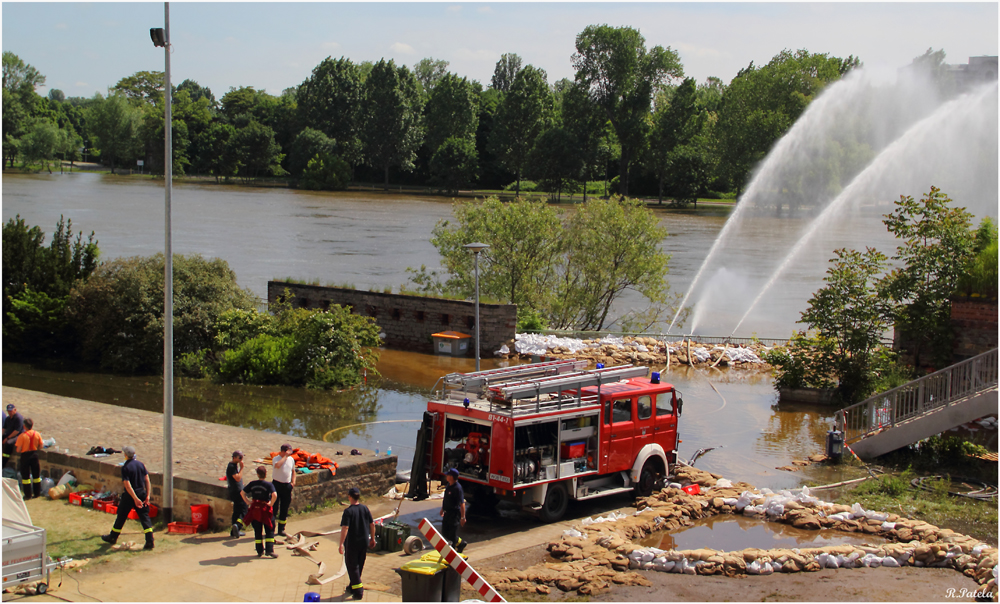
column 978, row 70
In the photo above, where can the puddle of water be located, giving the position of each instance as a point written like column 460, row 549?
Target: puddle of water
column 734, row 533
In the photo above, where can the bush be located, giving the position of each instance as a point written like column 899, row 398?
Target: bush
column 193, row 364
column 326, row 173
column 118, row 312
column 949, row 450
column 890, row 485
column 261, row 360
column 529, row 319
column 36, row 326
column 527, row 186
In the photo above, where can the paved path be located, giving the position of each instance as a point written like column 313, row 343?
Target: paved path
column 201, row 449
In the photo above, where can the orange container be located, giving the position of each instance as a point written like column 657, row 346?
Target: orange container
column 692, row 489
column 111, row 509
column 199, row 515
column 76, row 499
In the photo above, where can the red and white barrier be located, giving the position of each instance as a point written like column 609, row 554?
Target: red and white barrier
column 449, row 555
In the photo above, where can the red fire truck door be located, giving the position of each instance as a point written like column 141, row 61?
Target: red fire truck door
column 621, row 434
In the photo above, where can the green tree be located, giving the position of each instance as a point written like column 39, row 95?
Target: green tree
column 114, row 125
column 851, row 313
column 392, row 118
column 308, row 144
column 19, row 76
column 256, row 152
column 518, row 266
column 761, row 104
column 588, row 125
column 936, row 244
column 326, row 172
column 40, row 144
column 620, row 75
column 143, row 86
column 520, row 118
column 554, row 160
column 505, row 71
column 330, row 100
column 429, row 72
column 217, row 155
column 198, row 92
column 675, row 153
column 710, row 94
column 611, row 246
column 37, row 281
column 451, row 111
column 980, row 275
column 455, row 163
column 57, row 95
column 118, row 311
column 19, row 101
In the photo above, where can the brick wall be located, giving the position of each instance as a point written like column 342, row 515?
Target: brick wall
column 374, row 478
column 975, row 325
column 409, row 321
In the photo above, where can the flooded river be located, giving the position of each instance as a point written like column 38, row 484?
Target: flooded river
column 368, row 239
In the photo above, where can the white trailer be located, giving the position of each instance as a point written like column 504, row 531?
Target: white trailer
column 24, row 557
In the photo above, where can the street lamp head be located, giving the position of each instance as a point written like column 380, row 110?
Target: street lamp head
column 475, row 248
column 157, row 36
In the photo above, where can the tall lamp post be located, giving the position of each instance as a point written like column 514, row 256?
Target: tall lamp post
column 476, row 248
column 161, row 39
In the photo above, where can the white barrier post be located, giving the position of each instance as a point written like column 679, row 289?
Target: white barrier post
column 449, row 555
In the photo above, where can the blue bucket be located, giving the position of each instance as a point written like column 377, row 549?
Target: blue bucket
column 311, row 596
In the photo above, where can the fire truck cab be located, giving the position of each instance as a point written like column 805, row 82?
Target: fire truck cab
column 543, row 434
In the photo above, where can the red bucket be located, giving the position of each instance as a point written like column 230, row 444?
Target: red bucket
column 199, row 515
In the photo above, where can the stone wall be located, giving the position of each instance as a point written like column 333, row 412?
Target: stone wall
column 374, row 477
column 975, row 325
column 409, row 321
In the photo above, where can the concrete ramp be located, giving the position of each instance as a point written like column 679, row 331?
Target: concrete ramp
column 922, row 408
column 927, row 425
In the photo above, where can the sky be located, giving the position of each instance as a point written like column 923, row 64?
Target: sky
column 85, row 48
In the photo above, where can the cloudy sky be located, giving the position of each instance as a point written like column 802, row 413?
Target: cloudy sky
column 83, row 48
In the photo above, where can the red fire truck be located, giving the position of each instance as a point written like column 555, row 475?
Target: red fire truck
column 543, row 434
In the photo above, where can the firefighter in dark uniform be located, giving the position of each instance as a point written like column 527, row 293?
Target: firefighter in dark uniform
column 261, row 501
column 13, row 425
column 357, row 534
column 453, row 511
column 135, row 478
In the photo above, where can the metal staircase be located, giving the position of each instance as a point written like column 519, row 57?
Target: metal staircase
column 922, row 408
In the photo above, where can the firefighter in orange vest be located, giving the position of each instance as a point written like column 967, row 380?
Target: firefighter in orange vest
column 28, row 444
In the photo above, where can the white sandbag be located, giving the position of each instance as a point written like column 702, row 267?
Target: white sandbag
column 857, row 511
column 766, row 568
column 840, row 517
column 888, row 526
column 729, row 501
column 774, row 508
column 647, row 556
column 572, row 533
column 753, row 568
column 880, row 516
column 673, row 485
column 890, row 562
column 723, row 483
column 587, row 521
column 668, row 566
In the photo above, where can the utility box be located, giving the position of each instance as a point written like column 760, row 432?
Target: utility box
column 451, row 343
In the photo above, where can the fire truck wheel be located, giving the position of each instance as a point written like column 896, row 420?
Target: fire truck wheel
column 556, row 501
column 647, row 479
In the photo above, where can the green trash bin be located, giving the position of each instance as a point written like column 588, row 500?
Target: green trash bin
column 422, row 581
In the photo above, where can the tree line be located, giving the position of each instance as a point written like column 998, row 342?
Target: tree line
column 629, row 119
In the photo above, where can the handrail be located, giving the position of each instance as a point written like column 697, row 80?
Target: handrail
column 921, row 396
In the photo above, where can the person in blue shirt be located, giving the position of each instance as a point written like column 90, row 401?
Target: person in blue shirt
column 135, row 478
column 453, row 511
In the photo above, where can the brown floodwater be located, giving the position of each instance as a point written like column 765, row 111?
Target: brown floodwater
column 368, row 240
column 733, row 533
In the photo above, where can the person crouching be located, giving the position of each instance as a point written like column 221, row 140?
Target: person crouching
column 261, row 501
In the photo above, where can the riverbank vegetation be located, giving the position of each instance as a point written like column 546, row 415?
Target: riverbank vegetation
column 61, row 305
column 940, row 256
column 628, row 122
column 564, row 270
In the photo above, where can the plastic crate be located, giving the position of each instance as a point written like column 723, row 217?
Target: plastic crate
column 88, row 501
column 185, row 528
column 101, row 505
column 111, row 509
column 75, row 499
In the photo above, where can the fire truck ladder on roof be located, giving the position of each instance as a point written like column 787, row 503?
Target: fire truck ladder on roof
column 572, row 381
column 472, row 385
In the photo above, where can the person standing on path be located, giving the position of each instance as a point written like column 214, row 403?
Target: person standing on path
column 453, row 511
column 283, row 478
column 13, row 425
column 357, row 534
column 28, row 444
column 135, row 478
column 234, row 481
column 261, row 502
